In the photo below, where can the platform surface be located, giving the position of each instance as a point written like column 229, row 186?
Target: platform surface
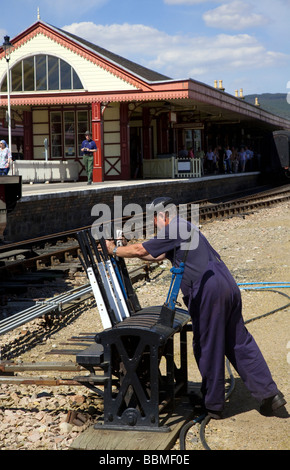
column 69, row 187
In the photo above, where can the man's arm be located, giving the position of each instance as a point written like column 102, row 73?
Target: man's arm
column 94, row 147
column 87, row 149
column 135, row 250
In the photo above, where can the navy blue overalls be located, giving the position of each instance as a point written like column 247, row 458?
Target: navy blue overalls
column 215, row 306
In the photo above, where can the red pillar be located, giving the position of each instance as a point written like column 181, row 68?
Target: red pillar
column 97, row 137
column 125, row 141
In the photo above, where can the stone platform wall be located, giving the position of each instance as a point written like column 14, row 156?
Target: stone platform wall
column 43, row 214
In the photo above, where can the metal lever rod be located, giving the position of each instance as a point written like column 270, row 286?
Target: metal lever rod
column 107, row 281
column 115, row 282
column 132, row 299
column 106, row 313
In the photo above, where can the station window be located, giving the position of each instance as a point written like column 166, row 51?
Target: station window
column 69, row 134
column 192, row 139
column 83, row 126
column 67, row 130
column 28, row 74
column 17, row 77
column 42, row 73
column 56, row 134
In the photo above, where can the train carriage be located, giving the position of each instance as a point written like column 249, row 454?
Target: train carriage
column 281, row 150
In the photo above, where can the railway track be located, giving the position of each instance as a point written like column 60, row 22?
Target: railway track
column 62, row 248
column 53, row 258
column 243, row 205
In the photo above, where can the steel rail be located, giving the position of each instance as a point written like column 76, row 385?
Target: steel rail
column 206, row 213
column 203, row 202
column 207, row 210
column 43, row 308
column 57, row 303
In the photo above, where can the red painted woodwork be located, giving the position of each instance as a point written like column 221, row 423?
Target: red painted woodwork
column 98, row 169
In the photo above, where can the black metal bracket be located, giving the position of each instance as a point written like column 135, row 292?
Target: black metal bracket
column 140, row 354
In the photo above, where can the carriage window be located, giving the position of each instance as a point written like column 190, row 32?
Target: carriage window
column 42, row 72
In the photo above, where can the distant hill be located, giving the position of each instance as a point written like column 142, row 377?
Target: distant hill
column 275, row 103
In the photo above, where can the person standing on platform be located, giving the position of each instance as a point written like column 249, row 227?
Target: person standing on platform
column 201, row 155
column 242, row 159
column 88, row 149
column 190, row 153
column 228, row 161
column 235, row 160
column 183, row 153
column 221, row 158
column 214, row 304
column 5, row 158
column 209, row 161
column 249, row 159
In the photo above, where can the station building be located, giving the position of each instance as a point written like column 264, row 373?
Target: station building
column 62, row 85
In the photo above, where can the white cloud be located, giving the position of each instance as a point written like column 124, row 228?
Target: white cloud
column 3, row 33
column 179, row 56
column 222, row 54
column 237, row 15
column 128, row 40
column 184, row 2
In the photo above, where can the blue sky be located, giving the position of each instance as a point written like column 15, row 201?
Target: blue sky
column 244, row 43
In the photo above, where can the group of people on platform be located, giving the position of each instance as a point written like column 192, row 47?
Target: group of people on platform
column 223, row 160
column 5, row 158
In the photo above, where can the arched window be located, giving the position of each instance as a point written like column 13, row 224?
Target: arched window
column 42, row 73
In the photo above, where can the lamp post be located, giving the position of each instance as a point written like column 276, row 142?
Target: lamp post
column 7, row 46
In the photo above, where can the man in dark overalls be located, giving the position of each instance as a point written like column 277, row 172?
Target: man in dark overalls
column 214, row 304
